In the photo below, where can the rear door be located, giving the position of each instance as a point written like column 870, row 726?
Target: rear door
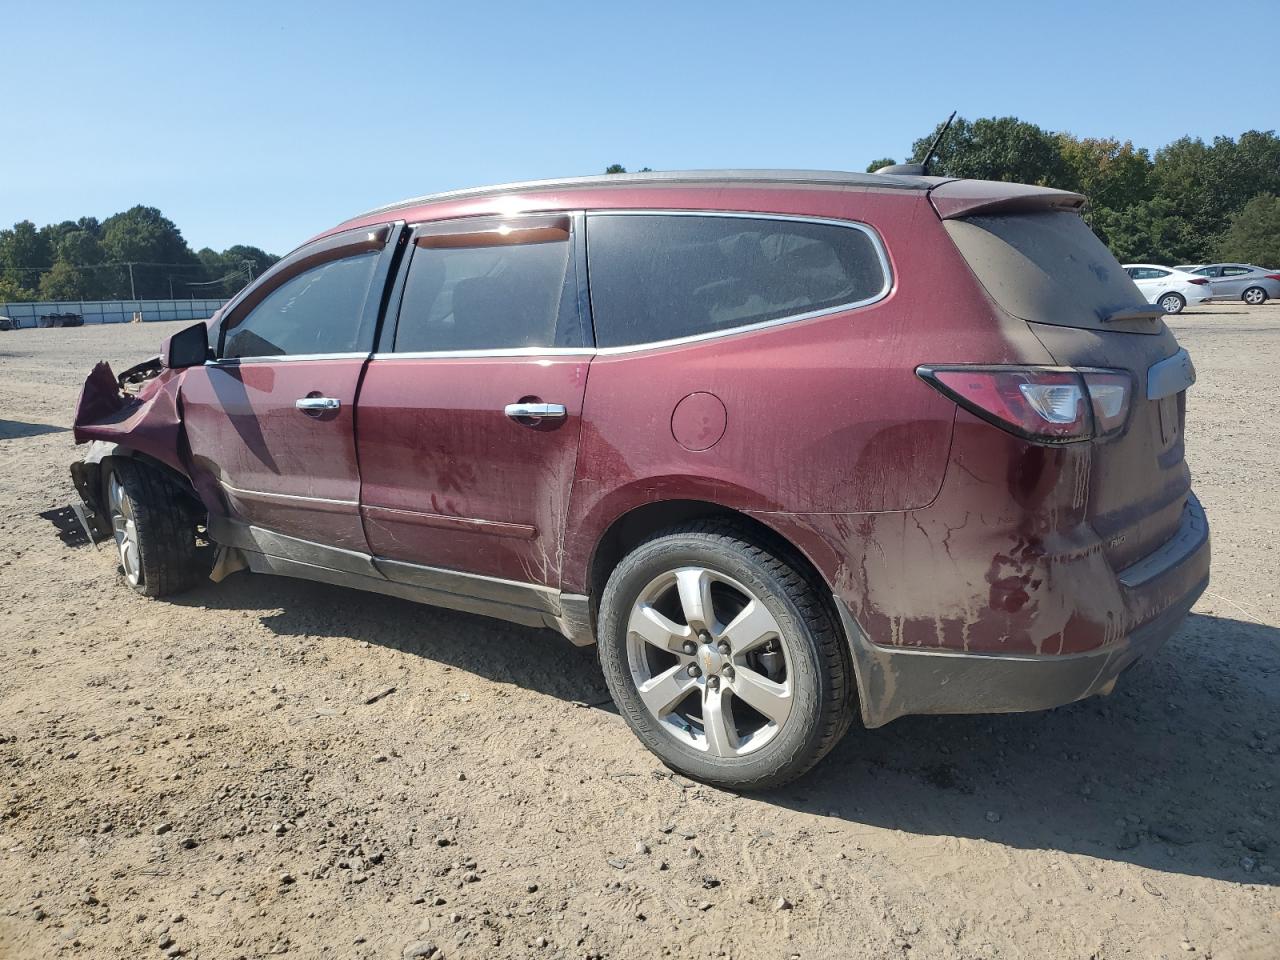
column 1049, row 269
column 270, row 420
column 1232, row 281
column 470, row 413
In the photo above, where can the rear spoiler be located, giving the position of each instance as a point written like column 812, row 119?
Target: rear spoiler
column 967, row 198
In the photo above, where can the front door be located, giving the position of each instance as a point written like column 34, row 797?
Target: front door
column 270, row 420
column 469, row 421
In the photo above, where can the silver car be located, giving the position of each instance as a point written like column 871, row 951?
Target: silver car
column 1240, row 281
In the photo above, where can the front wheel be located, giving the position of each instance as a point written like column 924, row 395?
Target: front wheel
column 154, row 529
column 1172, row 303
column 1254, row 296
column 723, row 659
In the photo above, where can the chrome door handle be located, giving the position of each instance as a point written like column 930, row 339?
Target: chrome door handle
column 316, row 404
column 536, row 411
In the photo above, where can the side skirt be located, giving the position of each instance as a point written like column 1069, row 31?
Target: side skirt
column 528, row 604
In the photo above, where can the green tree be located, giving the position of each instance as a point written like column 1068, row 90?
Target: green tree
column 1254, row 234
column 615, row 168
column 996, row 148
column 11, row 292
column 1110, row 173
column 22, row 248
column 63, row 282
column 875, row 165
column 1149, row 231
column 144, row 236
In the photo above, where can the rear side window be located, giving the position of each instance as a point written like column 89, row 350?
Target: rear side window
column 316, row 311
column 658, row 277
column 1234, row 271
column 490, row 286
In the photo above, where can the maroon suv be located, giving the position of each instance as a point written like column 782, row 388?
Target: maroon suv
column 778, row 442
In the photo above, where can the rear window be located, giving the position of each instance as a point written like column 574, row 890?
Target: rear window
column 658, row 277
column 1049, row 268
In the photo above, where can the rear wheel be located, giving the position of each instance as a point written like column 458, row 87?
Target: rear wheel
column 154, row 528
column 1254, row 296
column 722, row 658
column 1172, row 303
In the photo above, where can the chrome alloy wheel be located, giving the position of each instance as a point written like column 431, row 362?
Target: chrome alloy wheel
column 1254, row 296
column 125, row 530
column 1171, row 304
column 709, row 661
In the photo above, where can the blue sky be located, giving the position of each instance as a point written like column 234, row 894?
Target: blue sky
column 267, row 122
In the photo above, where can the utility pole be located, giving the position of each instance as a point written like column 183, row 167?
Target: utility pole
column 132, row 293
column 249, row 266
column 171, row 286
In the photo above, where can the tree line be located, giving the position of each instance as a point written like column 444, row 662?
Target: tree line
column 137, row 254
column 1189, row 202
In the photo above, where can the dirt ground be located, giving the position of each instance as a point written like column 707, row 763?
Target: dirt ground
column 268, row 766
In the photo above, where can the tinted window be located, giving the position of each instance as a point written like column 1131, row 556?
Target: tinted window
column 1234, row 271
column 659, row 277
column 316, row 311
column 487, row 297
column 1207, row 271
column 1046, row 267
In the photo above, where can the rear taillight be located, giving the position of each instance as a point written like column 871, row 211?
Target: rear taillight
column 1043, row 404
column 1198, row 281
column 1273, row 276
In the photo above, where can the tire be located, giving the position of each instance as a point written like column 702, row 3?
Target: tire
column 1172, row 303
column 1254, row 296
column 784, row 653
column 154, row 527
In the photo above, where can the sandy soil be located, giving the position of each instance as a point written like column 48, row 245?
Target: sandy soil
column 228, row 776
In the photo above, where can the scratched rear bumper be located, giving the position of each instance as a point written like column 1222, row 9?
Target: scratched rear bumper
column 897, row 682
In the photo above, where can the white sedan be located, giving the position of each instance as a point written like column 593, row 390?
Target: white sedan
column 1171, row 289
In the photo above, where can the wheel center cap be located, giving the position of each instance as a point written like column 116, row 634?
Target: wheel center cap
column 710, row 660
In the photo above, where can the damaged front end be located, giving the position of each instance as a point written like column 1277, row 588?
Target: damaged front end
column 134, row 415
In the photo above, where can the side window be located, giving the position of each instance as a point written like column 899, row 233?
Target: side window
column 659, row 277
column 1234, row 271
column 491, row 285
column 1155, row 274
column 316, row 311
column 1207, row 271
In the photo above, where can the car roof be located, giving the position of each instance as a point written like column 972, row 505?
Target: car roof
column 670, row 177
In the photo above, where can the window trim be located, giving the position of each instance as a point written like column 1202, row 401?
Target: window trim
column 380, row 238
column 384, row 347
column 876, row 242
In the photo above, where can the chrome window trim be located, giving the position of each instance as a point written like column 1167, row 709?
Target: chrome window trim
column 287, row 358
column 480, row 354
column 876, row 243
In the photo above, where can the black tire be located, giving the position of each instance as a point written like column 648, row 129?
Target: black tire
column 169, row 558
column 820, row 668
column 1259, row 294
column 1173, row 303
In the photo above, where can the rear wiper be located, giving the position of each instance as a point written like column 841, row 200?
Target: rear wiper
column 1152, row 312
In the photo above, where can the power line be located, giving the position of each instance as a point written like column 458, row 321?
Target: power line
column 114, row 264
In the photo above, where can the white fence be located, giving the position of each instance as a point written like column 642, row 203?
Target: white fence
column 111, row 311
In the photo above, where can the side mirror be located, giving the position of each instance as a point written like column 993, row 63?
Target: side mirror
column 186, row 348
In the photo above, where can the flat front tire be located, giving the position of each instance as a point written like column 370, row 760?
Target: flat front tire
column 723, row 659
column 154, row 529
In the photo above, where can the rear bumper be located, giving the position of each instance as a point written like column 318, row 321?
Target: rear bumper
column 898, row 681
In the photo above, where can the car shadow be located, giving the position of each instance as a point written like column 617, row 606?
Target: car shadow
column 1177, row 771
column 20, row 429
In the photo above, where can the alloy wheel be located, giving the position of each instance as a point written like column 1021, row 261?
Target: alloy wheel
column 709, row 661
column 1253, row 296
column 124, row 528
column 1171, row 305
